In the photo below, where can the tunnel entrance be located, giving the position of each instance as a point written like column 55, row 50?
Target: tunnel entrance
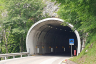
column 50, row 37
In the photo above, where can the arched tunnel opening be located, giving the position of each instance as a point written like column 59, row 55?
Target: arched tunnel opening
column 50, row 37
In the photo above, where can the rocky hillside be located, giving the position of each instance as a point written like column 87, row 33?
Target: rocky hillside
column 51, row 8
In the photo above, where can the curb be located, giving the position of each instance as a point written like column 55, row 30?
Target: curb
column 63, row 60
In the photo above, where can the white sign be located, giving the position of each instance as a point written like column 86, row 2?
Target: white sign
column 37, row 50
column 51, row 49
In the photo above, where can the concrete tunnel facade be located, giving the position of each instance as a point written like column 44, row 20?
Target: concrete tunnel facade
column 49, row 36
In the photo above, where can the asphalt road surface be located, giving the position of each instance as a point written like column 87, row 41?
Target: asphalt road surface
column 38, row 59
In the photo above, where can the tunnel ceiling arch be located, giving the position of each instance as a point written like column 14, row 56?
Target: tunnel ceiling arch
column 49, row 33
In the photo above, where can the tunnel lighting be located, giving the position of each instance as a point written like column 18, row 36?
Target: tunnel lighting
column 49, row 46
column 60, row 29
column 56, row 28
column 65, row 30
column 42, row 46
column 56, row 47
column 69, row 46
column 62, row 46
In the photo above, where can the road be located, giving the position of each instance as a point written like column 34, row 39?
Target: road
column 39, row 59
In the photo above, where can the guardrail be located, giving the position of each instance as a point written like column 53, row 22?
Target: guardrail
column 13, row 54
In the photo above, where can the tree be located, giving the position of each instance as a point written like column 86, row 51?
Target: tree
column 21, row 15
column 80, row 13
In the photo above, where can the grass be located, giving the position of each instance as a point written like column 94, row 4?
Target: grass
column 87, row 57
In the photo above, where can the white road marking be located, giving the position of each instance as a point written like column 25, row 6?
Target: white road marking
column 49, row 61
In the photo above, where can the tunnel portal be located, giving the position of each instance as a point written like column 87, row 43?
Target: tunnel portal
column 49, row 36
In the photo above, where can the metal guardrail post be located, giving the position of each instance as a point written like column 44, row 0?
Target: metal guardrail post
column 13, row 56
column 5, row 58
column 21, row 55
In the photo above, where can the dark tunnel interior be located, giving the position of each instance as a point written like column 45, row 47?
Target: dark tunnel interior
column 52, row 38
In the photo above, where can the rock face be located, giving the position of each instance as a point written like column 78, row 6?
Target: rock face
column 51, row 8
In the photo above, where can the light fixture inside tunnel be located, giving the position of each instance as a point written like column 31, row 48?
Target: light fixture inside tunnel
column 60, row 29
column 62, row 46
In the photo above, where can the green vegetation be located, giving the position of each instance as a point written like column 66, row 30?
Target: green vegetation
column 87, row 57
column 17, row 16
column 82, row 14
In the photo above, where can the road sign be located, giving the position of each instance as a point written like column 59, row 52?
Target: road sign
column 71, row 41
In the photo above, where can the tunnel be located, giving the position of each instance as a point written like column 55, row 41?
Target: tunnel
column 48, row 36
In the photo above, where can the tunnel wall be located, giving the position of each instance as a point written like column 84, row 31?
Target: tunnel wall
column 33, row 37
